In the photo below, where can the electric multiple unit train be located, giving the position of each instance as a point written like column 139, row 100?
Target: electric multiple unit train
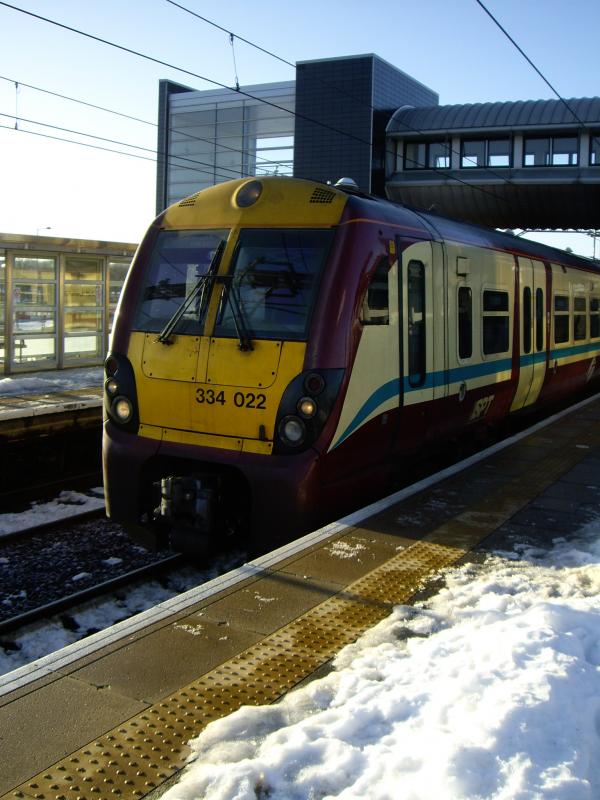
column 283, row 348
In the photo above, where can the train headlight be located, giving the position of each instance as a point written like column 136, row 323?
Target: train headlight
column 248, row 194
column 122, row 409
column 111, row 386
column 307, row 407
column 292, row 430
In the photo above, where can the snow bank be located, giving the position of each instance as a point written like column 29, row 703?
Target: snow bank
column 491, row 690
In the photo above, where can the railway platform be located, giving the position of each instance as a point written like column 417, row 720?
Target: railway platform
column 111, row 716
column 49, row 402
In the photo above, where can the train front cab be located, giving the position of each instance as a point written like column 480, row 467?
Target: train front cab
column 209, row 389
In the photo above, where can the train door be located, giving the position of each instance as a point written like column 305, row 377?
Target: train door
column 532, row 334
column 417, row 372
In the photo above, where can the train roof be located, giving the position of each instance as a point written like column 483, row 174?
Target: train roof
column 448, row 229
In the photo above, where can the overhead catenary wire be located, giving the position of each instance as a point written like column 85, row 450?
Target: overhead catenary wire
column 267, row 161
column 241, row 91
column 535, row 68
column 338, row 89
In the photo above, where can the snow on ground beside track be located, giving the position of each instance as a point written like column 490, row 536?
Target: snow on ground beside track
column 51, row 381
column 67, row 504
column 489, row 690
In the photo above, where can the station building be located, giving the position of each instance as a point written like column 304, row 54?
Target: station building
column 524, row 164
column 57, row 300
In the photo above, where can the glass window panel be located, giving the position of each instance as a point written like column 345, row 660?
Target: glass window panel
column 495, row 335
column 526, row 319
column 2, row 294
column 465, row 322
column 117, row 271
column 37, row 269
column 82, row 347
column 416, row 323
column 34, row 294
column 499, row 153
column 35, row 321
column 415, row 156
column 82, row 269
column 439, row 155
column 537, row 152
column 83, row 321
column 539, row 320
column 178, row 261
column 495, row 301
column 275, row 278
column 561, row 302
column 579, row 304
column 594, row 317
column 579, row 326
column 561, row 328
column 595, row 149
column 375, row 310
column 473, row 154
column 83, row 294
column 27, row 349
column 564, row 150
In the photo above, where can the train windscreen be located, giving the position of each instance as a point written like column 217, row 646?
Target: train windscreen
column 179, row 262
column 273, row 283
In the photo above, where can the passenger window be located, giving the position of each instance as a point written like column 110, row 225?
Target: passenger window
column 527, row 320
column 539, row 320
column 561, row 318
column 416, row 323
column 579, row 318
column 594, row 317
column 465, row 322
column 375, row 309
column 495, row 322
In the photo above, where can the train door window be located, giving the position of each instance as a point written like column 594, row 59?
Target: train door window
column 496, row 322
column 594, row 317
column 416, row 323
column 527, row 319
column 539, row 320
column 561, row 318
column 465, row 322
column 579, row 318
column 375, row 308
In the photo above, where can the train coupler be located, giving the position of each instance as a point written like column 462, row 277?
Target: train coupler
column 187, row 501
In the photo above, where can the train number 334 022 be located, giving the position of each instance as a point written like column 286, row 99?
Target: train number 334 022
column 211, row 397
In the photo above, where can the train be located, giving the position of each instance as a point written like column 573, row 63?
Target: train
column 284, row 349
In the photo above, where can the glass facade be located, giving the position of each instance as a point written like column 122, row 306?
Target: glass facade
column 217, row 136
column 56, row 307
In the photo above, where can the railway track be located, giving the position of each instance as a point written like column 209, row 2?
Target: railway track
column 68, row 601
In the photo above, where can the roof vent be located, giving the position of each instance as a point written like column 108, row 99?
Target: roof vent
column 189, row 201
column 322, row 196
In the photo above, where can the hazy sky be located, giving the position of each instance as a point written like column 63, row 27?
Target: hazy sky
column 61, row 189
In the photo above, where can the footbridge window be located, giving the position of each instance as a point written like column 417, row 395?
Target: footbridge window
column 550, row 151
column 485, row 153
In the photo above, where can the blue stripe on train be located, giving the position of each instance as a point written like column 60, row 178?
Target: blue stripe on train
column 390, row 389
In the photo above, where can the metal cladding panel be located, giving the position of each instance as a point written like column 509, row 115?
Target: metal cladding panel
column 519, row 114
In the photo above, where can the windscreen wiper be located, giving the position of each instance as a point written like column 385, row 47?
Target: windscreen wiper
column 239, row 319
column 199, row 287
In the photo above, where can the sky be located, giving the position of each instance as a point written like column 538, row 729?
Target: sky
column 58, row 189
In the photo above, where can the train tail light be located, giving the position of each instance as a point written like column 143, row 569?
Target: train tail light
column 305, row 408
